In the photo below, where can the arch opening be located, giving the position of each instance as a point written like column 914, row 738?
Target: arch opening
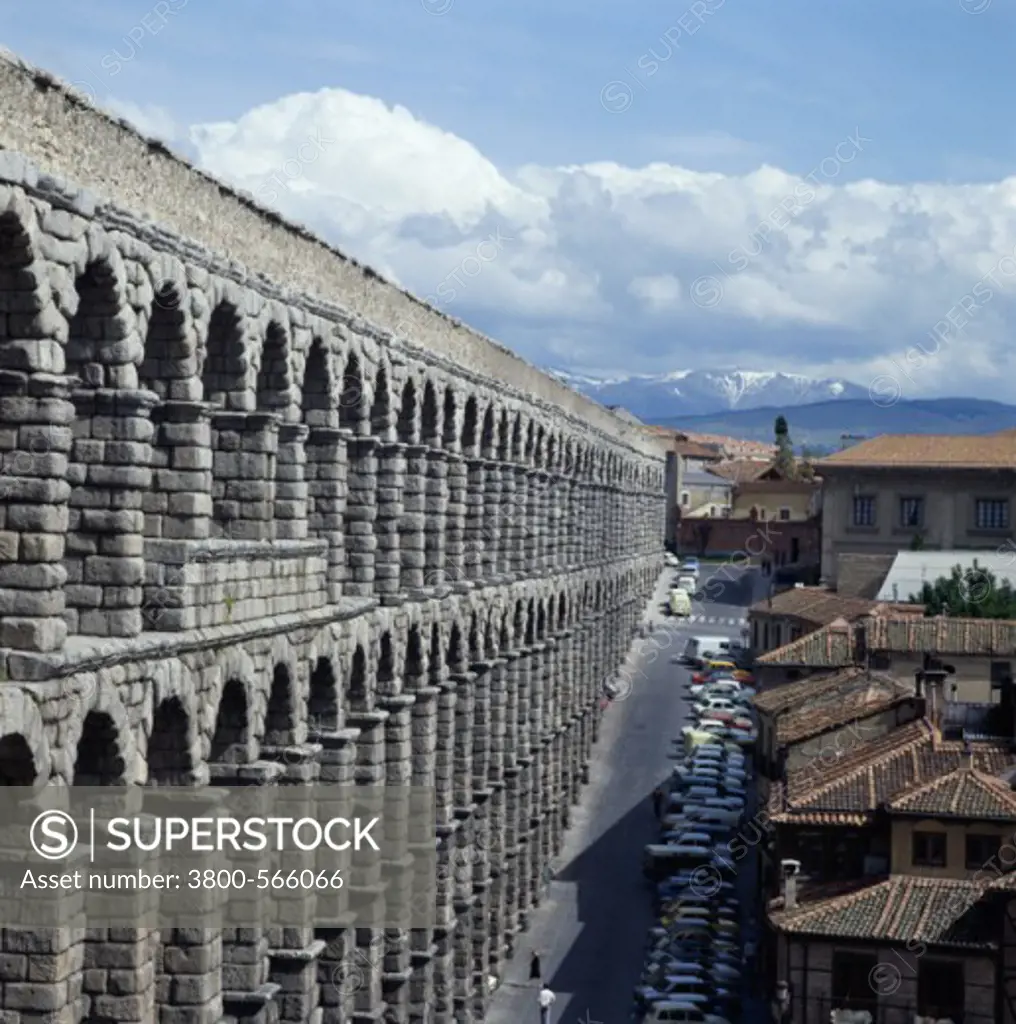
column 232, row 725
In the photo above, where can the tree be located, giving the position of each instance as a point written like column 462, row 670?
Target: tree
column 784, row 461
column 973, row 593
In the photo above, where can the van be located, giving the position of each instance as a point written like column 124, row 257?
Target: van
column 698, row 648
column 680, row 602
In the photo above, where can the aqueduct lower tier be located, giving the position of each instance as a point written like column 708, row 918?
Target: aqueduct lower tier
column 246, row 535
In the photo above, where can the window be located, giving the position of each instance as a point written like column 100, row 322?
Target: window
column 991, row 514
column 911, row 512
column 795, row 550
column 851, row 989
column 784, row 514
column 864, row 510
column 940, row 989
column 929, row 850
column 761, row 513
column 981, row 849
column 685, row 498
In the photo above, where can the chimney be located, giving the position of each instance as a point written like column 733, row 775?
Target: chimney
column 935, row 679
column 790, row 870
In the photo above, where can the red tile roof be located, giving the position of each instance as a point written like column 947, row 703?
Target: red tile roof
column 836, row 644
column 829, row 647
column 864, row 774
column 900, row 908
column 814, row 605
column 927, row 451
column 965, row 792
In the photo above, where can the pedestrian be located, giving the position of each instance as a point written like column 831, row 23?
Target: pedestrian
column 546, row 999
column 535, row 973
column 657, row 800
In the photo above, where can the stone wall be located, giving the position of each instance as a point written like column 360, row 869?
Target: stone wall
column 249, row 530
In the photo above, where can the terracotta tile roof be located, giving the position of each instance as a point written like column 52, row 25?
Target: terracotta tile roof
column 898, row 632
column 817, row 606
column 832, row 646
column 848, row 702
column 865, row 775
column 901, row 908
column 928, row 451
column 941, row 635
column 791, row 695
column 742, row 470
column 694, row 450
column 963, row 793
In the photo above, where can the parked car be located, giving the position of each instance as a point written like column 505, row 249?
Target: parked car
column 678, row 1011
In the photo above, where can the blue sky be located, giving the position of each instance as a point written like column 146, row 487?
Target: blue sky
column 736, row 86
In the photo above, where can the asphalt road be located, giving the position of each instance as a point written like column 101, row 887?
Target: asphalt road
column 591, row 930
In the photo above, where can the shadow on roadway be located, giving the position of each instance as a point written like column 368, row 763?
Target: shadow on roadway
column 614, row 911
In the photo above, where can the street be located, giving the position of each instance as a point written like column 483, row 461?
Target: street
column 591, row 930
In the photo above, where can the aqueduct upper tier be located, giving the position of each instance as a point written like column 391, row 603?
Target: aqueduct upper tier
column 267, row 517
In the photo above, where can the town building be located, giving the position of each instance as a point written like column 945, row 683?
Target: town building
column 884, row 832
column 895, row 492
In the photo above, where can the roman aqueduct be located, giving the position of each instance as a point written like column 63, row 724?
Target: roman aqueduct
column 268, row 519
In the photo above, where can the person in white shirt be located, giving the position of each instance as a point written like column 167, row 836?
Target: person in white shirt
column 546, row 1002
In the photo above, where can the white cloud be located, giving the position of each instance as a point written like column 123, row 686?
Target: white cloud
column 812, row 275
column 661, row 292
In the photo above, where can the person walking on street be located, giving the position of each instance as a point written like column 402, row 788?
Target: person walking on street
column 535, row 972
column 657, row 800
column 546, row 999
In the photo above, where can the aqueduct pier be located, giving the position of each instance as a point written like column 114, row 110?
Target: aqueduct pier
column 268, row 518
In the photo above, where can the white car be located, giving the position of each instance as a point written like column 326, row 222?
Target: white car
column 703, row 707
column 671, row 560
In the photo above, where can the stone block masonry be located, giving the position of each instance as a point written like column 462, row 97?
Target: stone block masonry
column 265, row 517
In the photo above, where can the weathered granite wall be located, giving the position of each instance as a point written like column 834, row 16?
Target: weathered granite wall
column 251, row 524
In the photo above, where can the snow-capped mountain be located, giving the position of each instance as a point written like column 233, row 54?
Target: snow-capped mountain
column 703, row 392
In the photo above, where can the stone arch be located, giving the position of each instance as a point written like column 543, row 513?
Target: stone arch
column 323, row 697
column 98, row 759
column 415, row 669
column 541, row 620
column 231, row 738
column 519, row 622
column 476, row 638
column 504, row 639
column 517, row 443
column 530, row 630
column 317, row 387
column 19, row 251
column 168, row 363
column 407, row 430
column 387, row 672
column 103, row 324
column 24, row 749
column 170, row 757
column 488, row 434
column 468, row 437
column 353, row 397
column 273, row 381
column 504, row 441
column 280, row 711
column 562, row 612
column 381, row 405
column 529, row 451
column 455, row 653
column 357, row 683
column 539, row 449
column 430, row 426
column 491, row 637
column 435, row 658
column 225, row 364
column 449, row 416
column 552, row 451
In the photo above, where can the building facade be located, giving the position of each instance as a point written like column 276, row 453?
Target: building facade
column 268, row 519
column 895, row 492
